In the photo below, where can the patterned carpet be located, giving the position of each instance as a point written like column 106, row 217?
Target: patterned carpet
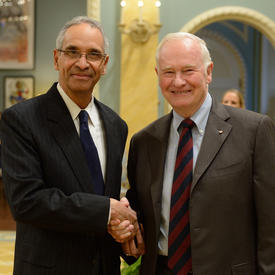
column 7, row 239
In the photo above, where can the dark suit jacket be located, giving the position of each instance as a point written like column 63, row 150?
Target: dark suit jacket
column 232, row 203
column 61, row 223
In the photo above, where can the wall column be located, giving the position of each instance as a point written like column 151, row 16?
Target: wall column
column 139, row 95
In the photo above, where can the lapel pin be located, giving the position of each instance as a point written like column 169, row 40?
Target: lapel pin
column 220, row 131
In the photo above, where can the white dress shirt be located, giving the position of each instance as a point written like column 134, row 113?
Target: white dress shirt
column 200, row 118
column 95, row 125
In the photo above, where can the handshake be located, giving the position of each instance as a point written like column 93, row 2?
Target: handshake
column 124, row 227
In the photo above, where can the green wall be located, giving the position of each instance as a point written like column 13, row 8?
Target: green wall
column 175, row 14
column 110, row 82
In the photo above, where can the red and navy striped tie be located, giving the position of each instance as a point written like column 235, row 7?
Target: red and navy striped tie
column 179, row 244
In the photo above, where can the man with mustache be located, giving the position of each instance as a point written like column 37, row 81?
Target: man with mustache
column 62, row 154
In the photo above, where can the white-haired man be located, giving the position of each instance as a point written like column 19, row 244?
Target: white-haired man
column 202, row 177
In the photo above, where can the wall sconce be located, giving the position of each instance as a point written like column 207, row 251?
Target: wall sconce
column 139, row 29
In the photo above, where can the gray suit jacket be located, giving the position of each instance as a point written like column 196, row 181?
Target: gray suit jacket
column 232, row 203
column 61, row 223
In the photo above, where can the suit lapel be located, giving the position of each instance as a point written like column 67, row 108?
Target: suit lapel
column 65, row 134
column 156, row 149
column 216, row 132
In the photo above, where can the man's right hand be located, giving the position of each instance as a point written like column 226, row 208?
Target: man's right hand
column 135, row 247
column 123, row 223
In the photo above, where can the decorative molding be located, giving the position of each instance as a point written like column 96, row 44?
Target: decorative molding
column 243, row 34
column 249, row 16
column 140, row 31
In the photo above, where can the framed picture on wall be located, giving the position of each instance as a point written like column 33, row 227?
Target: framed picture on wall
column 17, row 89
column 17, row 35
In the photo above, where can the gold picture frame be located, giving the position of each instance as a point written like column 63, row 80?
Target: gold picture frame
column 17, row 89
column 17, row 35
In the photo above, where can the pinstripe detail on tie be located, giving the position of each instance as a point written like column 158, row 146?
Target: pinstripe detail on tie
column 179, row 245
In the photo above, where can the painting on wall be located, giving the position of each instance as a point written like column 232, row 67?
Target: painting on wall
column 17, row 89
column 17, row 34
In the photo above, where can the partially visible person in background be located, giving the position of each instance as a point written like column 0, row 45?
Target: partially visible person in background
column 233, row 98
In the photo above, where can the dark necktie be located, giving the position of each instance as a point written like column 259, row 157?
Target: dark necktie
column 91, row 153
column 179, row 244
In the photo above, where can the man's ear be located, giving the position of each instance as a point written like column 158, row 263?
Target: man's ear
column 104, row 65
column 156, row 70
column 55, row 59
column 209, row 72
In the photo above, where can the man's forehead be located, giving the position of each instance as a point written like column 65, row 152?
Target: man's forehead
column 83, row 34
column 182, row 67
column 177, row 49
column 183, row 41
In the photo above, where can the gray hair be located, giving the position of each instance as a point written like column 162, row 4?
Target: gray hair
column 181, row 36
column 80, row 20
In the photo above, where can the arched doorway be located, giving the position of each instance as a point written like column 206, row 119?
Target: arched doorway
column 257, row 84
column 249, row 16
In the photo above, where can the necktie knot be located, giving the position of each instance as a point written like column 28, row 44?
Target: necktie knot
column 187, row 123
column 83, row 117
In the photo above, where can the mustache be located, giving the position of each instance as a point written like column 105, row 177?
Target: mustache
column 83, row 72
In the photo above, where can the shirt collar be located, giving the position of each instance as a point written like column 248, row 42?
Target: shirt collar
column 74, row 108
column 200, row 117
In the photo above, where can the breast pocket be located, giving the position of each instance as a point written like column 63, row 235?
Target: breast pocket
column 224, row 169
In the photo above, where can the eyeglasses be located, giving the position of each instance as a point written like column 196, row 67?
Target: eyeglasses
column 90, row 56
